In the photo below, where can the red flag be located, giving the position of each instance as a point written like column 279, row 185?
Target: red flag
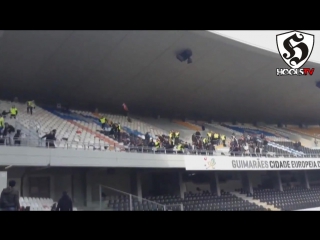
column 125, row 107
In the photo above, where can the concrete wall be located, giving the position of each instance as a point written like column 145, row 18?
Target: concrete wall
column 28, row 156
column 3, row 180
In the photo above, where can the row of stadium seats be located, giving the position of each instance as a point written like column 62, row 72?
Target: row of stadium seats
column 90, row 120
column 312, row 131
column 191, row 202
column 38, row 204
column 76, row 127
column 303, row 149
column 290, row 198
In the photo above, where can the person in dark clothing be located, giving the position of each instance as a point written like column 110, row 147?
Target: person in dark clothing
column 147, row 138
column 113, row 130
column 8, row 132
column 17, row 137
column 65, row 203
column 151, row 143
column 50, row 138
column 8, row 129
column 4, row 113
column 30, row 106
column 9, row 200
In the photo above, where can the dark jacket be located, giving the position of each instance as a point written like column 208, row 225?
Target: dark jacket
column 8, row 129
column 65, row 204
column 4, row 113
column 147, row 137
column 49, row 136
column 9, row 198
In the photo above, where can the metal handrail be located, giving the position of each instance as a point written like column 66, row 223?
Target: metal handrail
column 101, row 145
column 131, row 196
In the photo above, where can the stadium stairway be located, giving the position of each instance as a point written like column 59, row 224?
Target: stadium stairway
column 255, row 201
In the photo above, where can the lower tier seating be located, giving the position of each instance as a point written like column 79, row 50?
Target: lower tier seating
column 291, row 198
column 191, row 202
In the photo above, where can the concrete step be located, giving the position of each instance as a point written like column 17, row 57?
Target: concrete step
column 255, row 201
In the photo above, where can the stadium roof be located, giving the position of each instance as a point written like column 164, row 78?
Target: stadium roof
column 227, row 79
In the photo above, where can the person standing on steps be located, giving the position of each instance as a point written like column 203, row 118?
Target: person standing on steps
column 13, row 112
column 30, row 106
column 103, row 121
column 1, row 123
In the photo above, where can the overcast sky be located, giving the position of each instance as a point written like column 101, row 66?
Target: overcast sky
column 267, row 40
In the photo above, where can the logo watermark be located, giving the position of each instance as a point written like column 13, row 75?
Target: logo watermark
column 295, row 49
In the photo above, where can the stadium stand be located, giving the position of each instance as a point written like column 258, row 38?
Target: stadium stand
column 274, row 146
column 82, row 130
column 290, row 198
column 38, row 204
column 190, row 202
column 279, row 143
column 312, row 131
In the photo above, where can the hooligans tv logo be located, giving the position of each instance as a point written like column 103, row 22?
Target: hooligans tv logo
column 295, row 48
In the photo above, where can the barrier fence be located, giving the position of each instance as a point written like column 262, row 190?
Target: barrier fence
column 112, row 199
column 103, row 146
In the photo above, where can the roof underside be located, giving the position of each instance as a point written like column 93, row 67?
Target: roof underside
column 103, row 69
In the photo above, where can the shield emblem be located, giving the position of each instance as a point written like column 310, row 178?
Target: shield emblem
column 295, row 48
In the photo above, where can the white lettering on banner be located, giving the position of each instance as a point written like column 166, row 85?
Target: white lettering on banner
column 246, row 163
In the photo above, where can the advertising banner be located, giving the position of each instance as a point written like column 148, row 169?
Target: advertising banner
column 248, row 163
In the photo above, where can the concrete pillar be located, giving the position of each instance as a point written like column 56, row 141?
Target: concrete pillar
column 182, row 184
column 3, row 180
column 139, row 186
column 277, row 181
column 133, row 182
column 88, row 200
column 53, row 195
column 246, row 182
column 306, row 179
column 214, row 183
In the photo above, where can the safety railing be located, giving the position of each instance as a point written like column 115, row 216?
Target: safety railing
column 112, row 199
column 102, row 146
